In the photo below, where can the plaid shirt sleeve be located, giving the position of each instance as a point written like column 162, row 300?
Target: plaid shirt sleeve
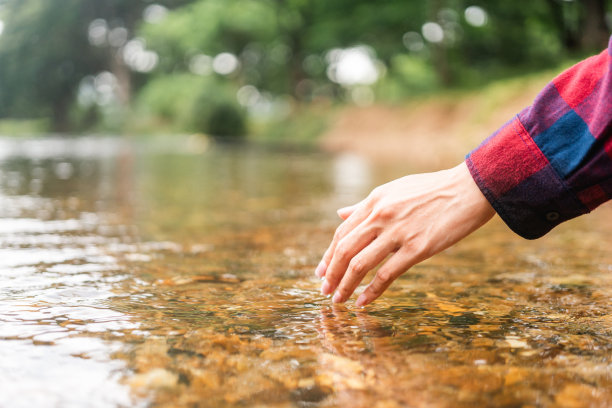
column 553, row 161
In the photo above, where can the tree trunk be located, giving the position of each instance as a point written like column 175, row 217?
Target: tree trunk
column 124, row 77
column 59, row 116
column 595, row 32
column 568, row 35
column 439, row 52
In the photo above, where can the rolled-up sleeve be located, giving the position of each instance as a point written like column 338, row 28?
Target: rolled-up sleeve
column 553, row 161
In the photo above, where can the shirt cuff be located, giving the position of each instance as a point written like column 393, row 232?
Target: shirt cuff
column 520, row 183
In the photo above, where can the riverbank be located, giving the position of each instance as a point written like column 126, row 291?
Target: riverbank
column 428, row 132
column 433, row 131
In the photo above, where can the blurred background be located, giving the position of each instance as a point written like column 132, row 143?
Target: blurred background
column 270, row 70
column 142, row 264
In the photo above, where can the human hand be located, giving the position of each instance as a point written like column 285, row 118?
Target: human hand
column 412, row 218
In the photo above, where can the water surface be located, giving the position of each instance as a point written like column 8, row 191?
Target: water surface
column 177, row 273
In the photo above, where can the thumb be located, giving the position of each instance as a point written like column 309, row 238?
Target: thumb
column 346, row 212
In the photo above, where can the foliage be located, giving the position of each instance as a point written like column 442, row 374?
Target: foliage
column 23, row 127
column 224, row 121
column 409, row 76
column 170, row 98
column 42, row 58
column 218, row 114
column 298, row 129
column 45, row 53
column 279, row 48
column 186, row 102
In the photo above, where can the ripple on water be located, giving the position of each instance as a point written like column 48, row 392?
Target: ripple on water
column 55, row 281
column 73, row 371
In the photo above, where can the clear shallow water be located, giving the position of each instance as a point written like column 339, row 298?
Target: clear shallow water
column 178, row 274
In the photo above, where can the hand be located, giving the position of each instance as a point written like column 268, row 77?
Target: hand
column 412, row 218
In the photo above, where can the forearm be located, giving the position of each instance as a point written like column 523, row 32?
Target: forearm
column 553, row 161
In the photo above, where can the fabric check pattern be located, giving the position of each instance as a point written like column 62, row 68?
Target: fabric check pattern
column 553, row 161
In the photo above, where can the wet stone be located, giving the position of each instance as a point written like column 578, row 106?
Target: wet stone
column 309, row 396
column 465, row 319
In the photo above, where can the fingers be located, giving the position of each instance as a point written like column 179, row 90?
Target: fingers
column 360, row 213
column 346, row 212
column 344, row 252
column 399, row 263
column 360, row 265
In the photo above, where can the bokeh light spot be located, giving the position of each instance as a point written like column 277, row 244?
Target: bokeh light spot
column 105, row 84
column 225, row 63
column 413, row 41
column 138, row 58
column 201, row 64
column 352, row 66
column 248, row 95
column 118, row 36
column 155, row 13
column 98, row 30
column 476, row 16
column 433, row 32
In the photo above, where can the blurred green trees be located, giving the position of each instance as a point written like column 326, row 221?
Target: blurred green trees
column 205, row 65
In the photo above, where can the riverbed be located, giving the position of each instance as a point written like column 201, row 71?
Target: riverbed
column 179, row 273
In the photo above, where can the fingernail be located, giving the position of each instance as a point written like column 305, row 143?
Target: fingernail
column 337, row 298
column 361, row 300
column 325, row 288
column 320, row 271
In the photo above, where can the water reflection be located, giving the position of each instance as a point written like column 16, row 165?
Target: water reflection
column 56, row 278
column 352, row 177
column 54, row 289
column 157, row 275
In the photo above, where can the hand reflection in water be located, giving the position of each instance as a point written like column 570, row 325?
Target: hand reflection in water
column 347, row 333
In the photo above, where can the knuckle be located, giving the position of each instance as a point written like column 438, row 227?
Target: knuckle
column 376, row 193
column 337, row 233
column 342, row 252
column 385, row 277
column 357, row 266
column 385, row 212
column 418, row 247
column 343, row 291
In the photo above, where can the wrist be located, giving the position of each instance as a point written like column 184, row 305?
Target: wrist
column 472, row 199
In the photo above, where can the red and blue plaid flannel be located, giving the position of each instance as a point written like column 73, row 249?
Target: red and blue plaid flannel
column 553, row 161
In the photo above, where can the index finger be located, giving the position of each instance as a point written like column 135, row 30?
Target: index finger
column 360, row 214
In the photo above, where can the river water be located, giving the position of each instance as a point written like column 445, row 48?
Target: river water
column 175, row 273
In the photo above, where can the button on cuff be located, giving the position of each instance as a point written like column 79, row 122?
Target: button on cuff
column 552, row 216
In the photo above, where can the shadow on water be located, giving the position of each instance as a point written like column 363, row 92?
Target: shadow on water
column 181, row 275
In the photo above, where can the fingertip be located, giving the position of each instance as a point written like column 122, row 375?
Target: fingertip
column 326, row 288
column 361, row 301
column 321, row 268
column 345, row 212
